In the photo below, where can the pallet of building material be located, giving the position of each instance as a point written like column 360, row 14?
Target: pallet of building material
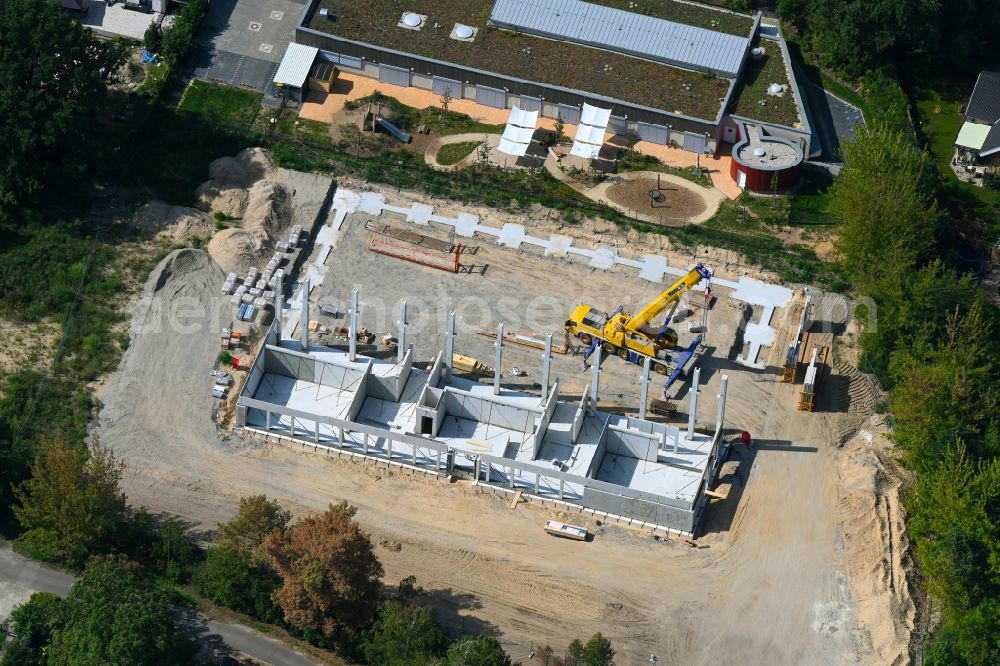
column 525, row 338
column 328, row 310
column 416, row 255
column 659, row 407
column 470, row 365
column 364, row 336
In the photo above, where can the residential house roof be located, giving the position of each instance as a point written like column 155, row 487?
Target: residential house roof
column 984, row 105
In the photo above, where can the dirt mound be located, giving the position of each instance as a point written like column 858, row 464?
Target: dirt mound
column 236, row 250
column 879, row 551
column 248, row 166
column 214, row 195
column 268, row 207
column 179, row 223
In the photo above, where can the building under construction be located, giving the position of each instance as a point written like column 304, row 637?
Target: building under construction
column 439, row 421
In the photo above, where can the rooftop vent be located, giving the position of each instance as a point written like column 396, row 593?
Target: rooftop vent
column 464, row 33
column 757, row 52
column 759, row 152
column 411, row 21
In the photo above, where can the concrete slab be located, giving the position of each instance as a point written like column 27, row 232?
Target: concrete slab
column 466, row 225
column 347, row 200
column 241, row 42
column 558, row 245
column 113, row 20
column 511, row 235
column 760, row 293
column 420, row 214
column 604, row 257
column 372, row 203
column 653, row 268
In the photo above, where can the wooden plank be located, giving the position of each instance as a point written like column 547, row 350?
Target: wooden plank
column 517, row 498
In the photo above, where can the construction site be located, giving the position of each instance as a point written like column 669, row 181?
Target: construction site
column 469, row 378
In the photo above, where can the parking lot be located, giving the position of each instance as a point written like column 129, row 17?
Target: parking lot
column 242, row 41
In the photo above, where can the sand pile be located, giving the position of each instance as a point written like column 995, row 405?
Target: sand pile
column 235, row 250
column 246, row 168
column 216, row 196
column 879, row 552
column 178, row 223
column 268, row 208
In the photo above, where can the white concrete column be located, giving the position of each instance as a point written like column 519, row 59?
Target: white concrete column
column 279, row 307
column 693, row 414
column 352, row 327
column 304, row 320
column 499, row 359
column 721, row 398
column 644, row 391
column 449, row 343
column 401, row 342
column 595, row 374
column 546, row 366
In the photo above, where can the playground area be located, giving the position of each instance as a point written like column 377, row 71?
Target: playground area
column 329, row 108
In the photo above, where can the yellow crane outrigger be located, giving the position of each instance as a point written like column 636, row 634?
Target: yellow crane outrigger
column 628, row 336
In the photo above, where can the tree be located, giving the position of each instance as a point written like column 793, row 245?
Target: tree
column 481, row 651
column 33, row 623
column 947, row 391
column 112, row 616
column 559, row 126
column 72, row 505
column 240, row 581
column 446, row 99
column 256, row 517
column 330, row 574
column 402, row 635
column 152, row 39
column 597, row 652
column 50, row 88
column 883, row 199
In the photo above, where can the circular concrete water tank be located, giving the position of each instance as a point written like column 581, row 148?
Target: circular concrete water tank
column 463, row 31
column 412, row 20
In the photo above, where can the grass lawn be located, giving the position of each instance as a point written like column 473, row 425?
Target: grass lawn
column 752, row 90
column 229, row 104
column 808, row 204
column 453, row 153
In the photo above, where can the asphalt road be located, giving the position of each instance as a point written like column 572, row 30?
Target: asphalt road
column 30, row 576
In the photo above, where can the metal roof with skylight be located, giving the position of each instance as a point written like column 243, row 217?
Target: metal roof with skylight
column 624, row 32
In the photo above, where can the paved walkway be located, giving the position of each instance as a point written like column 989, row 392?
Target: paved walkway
column 20, row 577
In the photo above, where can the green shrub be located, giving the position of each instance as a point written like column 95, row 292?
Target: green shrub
column 225, row 358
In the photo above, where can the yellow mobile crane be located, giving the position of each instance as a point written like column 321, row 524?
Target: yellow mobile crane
column 628, row 336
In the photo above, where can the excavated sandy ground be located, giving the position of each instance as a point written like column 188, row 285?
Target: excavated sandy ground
column 785, row 573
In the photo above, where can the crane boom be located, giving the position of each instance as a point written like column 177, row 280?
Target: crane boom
column 672, row 295
column 627, row 337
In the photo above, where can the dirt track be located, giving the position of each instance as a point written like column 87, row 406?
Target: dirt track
column 767, row 584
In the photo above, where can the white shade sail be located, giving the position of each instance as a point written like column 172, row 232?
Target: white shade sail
column 585, row 150
column 522, row 118
column 518, row 134
column 592, row 115
column 588, row 134
column 512, row 148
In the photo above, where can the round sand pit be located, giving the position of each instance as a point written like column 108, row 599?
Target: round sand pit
column 677, row 205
